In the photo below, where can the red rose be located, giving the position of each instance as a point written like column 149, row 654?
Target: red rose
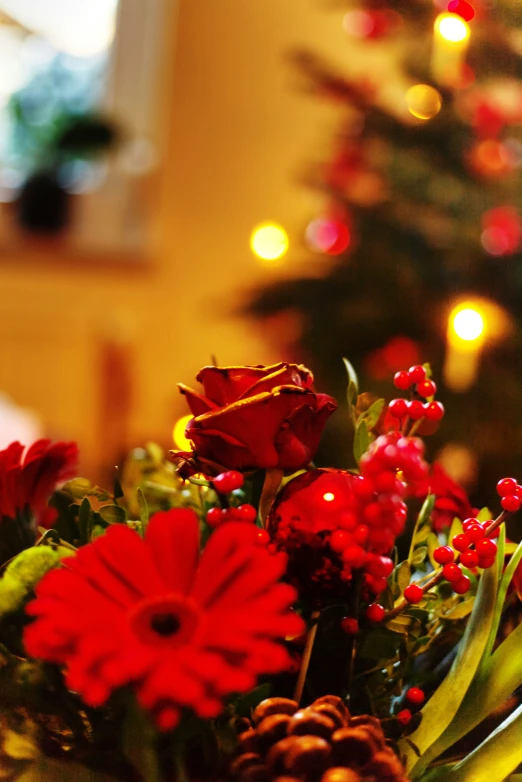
column 451, row 501
column 256, row 417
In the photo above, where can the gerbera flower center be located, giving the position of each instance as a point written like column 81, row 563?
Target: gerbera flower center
column 170, row 619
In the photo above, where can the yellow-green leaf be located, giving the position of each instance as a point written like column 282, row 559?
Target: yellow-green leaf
column 461, row 609
column 442, row 707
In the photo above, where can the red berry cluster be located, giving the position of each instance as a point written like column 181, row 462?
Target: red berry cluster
column 475, row 550
column 416, row 380
column 216, row 516
column 378, row 514
column 510, row 493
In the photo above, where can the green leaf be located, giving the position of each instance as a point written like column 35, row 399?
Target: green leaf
column 403, row 575
column 113, row 514
column 144, row 508
column 352, row 381
column 433, row 543
column 419, row 555
column 442, row 707
column 460, row 610
column 372, row 415
column 271, row 486
column 422, row 535
column 496, row 757
column 484, row 514
column 84, row 522
column 422, row 521
column 361, row 441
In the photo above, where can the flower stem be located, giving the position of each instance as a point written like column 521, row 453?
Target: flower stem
column 298, row 693
column 404, row 603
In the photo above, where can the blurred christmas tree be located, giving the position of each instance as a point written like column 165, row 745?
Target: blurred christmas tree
column 423, row 217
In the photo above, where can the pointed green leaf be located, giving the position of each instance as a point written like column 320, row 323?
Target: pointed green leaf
column 461, row 609
column 440, row 710
column 433, row 543
column 372, row 415
column 113, row 514
column 495, row 758
column 484, row 515
column 361, row 441
column 403, row 575
column 455, row 529
column 352, row 377
column 419, row 555
column 144, row 508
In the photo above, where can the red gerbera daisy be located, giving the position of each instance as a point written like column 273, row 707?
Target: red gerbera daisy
column 185, row 631
column 27, row 479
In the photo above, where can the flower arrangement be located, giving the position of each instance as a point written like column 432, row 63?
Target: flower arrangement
column 235, row 613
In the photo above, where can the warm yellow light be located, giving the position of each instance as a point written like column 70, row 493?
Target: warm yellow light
column 423, row 101
column 178, row 434
column 452, row 28
column 269, row 241
column 328, row 496
column 468, row 324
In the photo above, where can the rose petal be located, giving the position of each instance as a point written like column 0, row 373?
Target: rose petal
column 197, row 403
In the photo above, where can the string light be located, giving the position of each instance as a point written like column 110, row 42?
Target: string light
column 467, row 323
column 178, row 433
column 269, row 241
column 452, row 28
column 423, row 101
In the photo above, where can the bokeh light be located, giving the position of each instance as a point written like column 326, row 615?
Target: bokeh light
column 461, row 8
column 423, row 101
column 269, row 241
column 325, row 235
column 328, row 496
column 467, row 323
column 178, row 435
column 452, row 28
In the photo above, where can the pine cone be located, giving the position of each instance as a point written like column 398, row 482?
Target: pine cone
column 320, row 743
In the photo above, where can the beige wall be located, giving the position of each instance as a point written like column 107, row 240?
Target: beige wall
column 235, row 136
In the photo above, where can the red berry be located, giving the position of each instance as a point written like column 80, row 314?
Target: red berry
column 443, row 555
column 355, row 556
column 511, row 503
column 415, row 410
column 375, row 612
column 485, row 562
column 434, row 411
column 339, row 540
column 401, row 380
column 413, row 593
column 462, row 585
column 350, row 625
column 228, row 481
column 263, row 538
column 461, row 542
column 245, row 513
column 469, row 558
column 398, row 408
column 486, row 548
column 426, row 389
column 214, row 517
column 475, row 532
column 380, row 567
column 404, row 717
column 451, row 572
column 385, row 481
column 360, row 534
column 469, row 523
column 415, row 695
column 417, row 374
column 362, row 487
column 378, row 585
column 348, row 520
column 506, row 486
